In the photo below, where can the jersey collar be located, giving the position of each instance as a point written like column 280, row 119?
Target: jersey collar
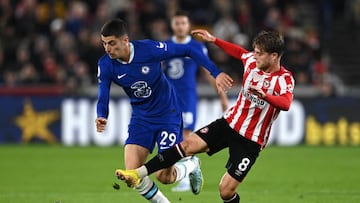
column 132, row 51
column 187, row 40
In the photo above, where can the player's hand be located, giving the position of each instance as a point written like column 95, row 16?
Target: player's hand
column 100, row 124
column 223, row 82
column 204, row 35
column 257, row 91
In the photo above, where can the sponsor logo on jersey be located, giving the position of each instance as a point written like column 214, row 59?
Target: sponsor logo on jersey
column 253, row 98
column 141, row 89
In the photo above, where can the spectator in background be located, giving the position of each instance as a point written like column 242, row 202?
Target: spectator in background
column 58, row 27
column 1, row 61
column 244, row 17
column 328, row 84
column 226, row 28
column 28, row 75
column 22, row 56
column 76, row 17
column 10, row 78
column 158, row 30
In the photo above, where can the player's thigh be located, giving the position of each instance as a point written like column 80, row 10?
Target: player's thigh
column 135, row 156
column 193, row 144
column 187, row 133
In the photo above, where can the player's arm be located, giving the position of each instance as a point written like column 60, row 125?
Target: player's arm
column 166, row 51
column 102, row 107
column 282, row 101
column 223, row 97
column 229, row 48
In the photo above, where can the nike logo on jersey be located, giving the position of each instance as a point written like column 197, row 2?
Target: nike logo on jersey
column 121, row 76
column 161, row 45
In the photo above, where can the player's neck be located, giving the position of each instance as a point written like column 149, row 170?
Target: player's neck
column 126, row 56
column 180, row 39
column 273, row 68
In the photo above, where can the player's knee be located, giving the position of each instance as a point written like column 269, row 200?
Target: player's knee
column 185, row 145
column 191, row 145
column 226, row 191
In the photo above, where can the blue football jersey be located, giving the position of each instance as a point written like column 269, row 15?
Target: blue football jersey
column 151, row 96
column 181, row 72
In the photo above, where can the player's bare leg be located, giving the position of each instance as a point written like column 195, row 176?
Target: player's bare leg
column 228, row 189
column 190, row 146
column 135, row 156
column 188, row 168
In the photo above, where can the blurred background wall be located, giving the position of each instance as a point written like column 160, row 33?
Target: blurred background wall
column 49, row 51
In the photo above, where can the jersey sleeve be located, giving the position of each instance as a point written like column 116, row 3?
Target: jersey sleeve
column 204, row 49
column 281, row 102
column 104, row 83
column 165, row 51
column 231, row 49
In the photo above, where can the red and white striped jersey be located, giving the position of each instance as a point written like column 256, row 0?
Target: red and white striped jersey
column 252, row 116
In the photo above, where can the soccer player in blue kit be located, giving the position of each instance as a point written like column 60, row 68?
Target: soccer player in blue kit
column 181, row 73
column 156, row 115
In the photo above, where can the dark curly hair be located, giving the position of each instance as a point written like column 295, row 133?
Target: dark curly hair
column 270, row 42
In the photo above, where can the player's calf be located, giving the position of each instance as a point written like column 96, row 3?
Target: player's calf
column 166, row 176
column 234, row 199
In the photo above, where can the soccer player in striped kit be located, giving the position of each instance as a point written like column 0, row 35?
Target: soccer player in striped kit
column 267, row 89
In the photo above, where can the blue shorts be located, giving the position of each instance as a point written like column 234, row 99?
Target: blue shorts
column 188, row 107
column 189, row 120
column 147, row 134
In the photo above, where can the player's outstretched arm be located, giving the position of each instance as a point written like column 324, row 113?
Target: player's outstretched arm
column 223, row 80
column 204, row 35
column 230, row 48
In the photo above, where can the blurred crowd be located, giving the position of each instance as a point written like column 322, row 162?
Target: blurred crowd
column 55, row 42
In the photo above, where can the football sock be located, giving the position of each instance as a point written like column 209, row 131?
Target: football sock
column 183, row 168
column 185, row 182
column 148, row 189
column 165, row 159
column 234, row 199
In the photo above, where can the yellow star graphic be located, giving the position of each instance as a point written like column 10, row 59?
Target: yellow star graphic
column 35, row 124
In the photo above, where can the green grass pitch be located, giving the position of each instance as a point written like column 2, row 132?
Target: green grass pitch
column 33, row 173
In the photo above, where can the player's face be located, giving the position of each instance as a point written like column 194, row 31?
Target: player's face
column 116, row 47
column 180, row 26
column 264, row 60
